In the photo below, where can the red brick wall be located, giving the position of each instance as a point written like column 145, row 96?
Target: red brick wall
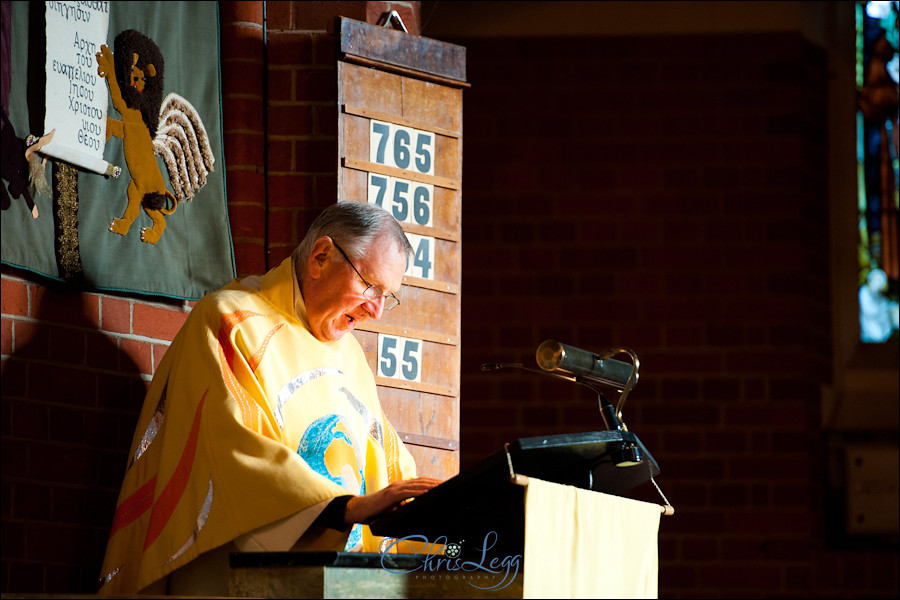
column 75, row 370
column 666, row 194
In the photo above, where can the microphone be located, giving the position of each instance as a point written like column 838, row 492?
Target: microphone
column 561, row 358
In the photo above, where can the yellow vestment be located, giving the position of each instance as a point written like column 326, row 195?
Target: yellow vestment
column 249, row 419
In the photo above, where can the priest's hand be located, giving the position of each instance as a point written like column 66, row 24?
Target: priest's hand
column 363, row 509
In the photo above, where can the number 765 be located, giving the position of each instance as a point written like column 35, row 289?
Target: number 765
column 392, row 145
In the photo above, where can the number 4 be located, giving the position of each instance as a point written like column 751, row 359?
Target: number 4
column 422, row 260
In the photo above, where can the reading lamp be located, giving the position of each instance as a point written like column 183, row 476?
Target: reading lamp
column 591, row 370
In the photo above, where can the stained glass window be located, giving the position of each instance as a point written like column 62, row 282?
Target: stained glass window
column 877, row 167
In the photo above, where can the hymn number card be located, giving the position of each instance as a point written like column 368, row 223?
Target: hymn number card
column 401, row 147
column 422, row 262
column 408, row 201
column 399, row 358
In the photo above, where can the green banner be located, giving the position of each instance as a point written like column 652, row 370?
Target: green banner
column 155, row 221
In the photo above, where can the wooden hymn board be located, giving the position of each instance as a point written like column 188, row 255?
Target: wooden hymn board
column 400, row 146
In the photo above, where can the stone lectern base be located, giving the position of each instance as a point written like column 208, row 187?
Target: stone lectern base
column 357, row 575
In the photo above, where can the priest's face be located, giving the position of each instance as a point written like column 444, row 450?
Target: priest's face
column 336, row 297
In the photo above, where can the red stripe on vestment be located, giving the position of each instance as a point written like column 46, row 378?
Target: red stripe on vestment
column 168, row 499
column 258, row 355
column 231, row 320
column 237, row 392
column 249, row 417
column 228, row 323
column 134, row 506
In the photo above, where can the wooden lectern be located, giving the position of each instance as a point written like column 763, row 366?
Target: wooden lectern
column 477, row 517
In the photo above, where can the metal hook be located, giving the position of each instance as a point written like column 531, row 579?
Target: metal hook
column 392, row 17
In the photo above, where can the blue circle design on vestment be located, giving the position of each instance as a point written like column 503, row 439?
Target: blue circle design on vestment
column 318, row 438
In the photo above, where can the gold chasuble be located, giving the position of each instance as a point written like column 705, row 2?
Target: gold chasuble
column 249, row 420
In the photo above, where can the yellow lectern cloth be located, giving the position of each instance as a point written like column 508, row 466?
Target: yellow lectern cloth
column 585, row 544
column 249, row 419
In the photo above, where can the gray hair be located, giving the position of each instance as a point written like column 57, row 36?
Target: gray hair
column 353, row 226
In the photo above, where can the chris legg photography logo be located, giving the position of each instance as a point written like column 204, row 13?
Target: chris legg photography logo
column 489, row 573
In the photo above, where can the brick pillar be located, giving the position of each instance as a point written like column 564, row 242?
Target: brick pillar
column 243, row 97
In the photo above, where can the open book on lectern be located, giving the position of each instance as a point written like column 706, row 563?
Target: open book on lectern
column 489, row 497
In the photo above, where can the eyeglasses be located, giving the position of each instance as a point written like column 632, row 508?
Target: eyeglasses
column 373, row 292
